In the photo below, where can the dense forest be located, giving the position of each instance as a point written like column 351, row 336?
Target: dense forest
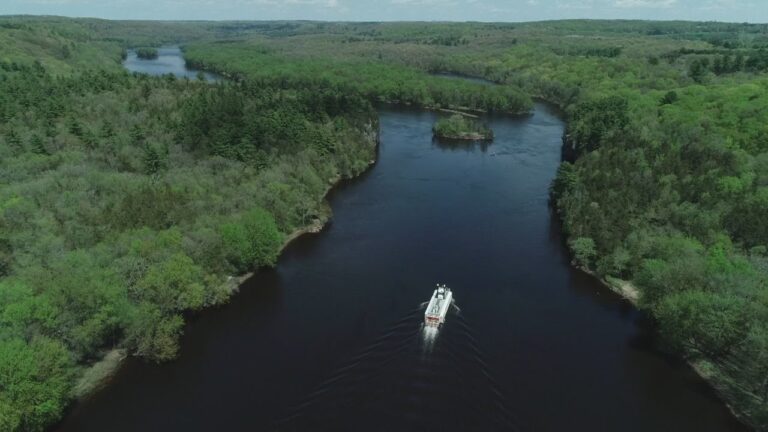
column 128, row 201
column 376, row 81
column 139, row 196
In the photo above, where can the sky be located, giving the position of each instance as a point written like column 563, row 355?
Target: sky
column 755, row 11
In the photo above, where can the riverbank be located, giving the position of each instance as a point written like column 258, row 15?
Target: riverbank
column 416, row 87
column 97, row 375
column 326, row 213
column 706, row 370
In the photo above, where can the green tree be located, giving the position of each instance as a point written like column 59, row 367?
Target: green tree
column 6, row 257
column 13, row 140
column 35, row 379
column 155, row 160
column 174, row 284
column 669, row 98
column 147, row 53
column 594, row 121
column 698, row 322
column 37, row 145
column 698, row 70
column 107, row 129
column 154, row 335
column 614, row 264
column 565, row 180
column 138, row 136
column 584, row 252
column 75, row 128
column 252, row 241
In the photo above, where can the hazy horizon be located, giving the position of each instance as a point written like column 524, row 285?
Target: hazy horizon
column 396, row 10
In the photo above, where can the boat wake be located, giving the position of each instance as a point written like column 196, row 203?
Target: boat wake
column 413, row 377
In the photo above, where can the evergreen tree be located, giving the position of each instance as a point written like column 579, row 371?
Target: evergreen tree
column 75, row 128
column 155, row 160
column 37, row 145
column 137, row 135
column 107, row 129
column 13, row 140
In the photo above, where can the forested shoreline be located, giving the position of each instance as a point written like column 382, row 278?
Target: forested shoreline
column 380, row 82
column 126, row 201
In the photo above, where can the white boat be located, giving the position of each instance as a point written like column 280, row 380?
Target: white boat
column 438, row 306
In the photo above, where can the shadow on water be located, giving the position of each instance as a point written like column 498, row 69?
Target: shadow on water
column 461, row 145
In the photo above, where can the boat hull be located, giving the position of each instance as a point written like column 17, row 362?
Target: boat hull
column 438, row 306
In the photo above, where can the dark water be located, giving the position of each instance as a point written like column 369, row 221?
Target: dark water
column 332, row 340
column 170, row 60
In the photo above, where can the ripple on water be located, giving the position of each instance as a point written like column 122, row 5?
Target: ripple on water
column 409, row 378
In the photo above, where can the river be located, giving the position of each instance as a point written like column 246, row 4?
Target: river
column 331, row 339
column 170, row 60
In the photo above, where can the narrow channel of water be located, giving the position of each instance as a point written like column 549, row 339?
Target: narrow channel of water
column 170, row 60
column 332, row 338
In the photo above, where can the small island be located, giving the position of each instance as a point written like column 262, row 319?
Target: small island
column 146, row 53
column 460, row 127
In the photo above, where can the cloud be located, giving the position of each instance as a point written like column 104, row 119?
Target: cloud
column 718, row 5
column 645, row 3
column 324, row 3
column 56, row 2
column 578, row 4
column 422, row 2
column 388, row 10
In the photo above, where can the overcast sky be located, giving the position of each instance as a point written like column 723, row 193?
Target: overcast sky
column 387, row 10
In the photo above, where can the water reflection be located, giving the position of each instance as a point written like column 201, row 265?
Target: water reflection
column 457, row 145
